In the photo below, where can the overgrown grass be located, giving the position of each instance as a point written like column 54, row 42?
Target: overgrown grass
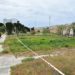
column 48, row 42
column 65, row 63
column 13, row 45
column 39, row 43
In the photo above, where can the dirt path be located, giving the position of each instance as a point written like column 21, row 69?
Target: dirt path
column 3, row 37
column 6, row 61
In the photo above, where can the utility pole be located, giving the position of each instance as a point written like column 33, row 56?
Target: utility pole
column 49, row 21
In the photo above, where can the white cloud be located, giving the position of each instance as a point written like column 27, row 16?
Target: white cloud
column 31, row 11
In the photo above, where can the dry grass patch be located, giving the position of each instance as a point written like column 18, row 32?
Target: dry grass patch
column 65, row 62
column 31, row 67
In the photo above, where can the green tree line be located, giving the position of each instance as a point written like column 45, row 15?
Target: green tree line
column 13, row 27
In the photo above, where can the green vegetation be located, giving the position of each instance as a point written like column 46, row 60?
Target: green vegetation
column 16, row 27
column 64, row 46
column 2, row 28
column 39, row 43
column 28, row 59
column 47, row 42
column 11, row 44
column 63, row 49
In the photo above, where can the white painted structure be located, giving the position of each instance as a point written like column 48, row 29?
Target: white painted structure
column 65, row 32
column 71, row 32
column 13, row 20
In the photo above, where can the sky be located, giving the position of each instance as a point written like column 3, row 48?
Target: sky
column 38, row 13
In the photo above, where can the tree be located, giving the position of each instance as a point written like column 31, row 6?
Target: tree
column 33, row 30
column 20, row 28
column 1, row 24
column 9, row 28
column 2, row 28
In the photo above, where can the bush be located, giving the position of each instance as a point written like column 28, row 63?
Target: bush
column 5, row 52
column 66, row 45
column 29, row 59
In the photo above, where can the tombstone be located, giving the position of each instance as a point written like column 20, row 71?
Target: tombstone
column 71, row 32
